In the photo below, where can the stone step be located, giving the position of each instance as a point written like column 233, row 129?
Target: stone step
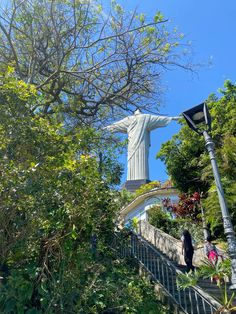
column 205, row 284
column 150, row 259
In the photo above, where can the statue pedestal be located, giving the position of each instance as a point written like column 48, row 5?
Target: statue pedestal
column 133, row 185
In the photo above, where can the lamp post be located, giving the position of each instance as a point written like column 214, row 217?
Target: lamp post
column 198, row 119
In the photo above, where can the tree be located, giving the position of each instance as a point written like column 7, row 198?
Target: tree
column 188, row 207
column 181, row 157
column 54, row 194
column 86, row 63
column 64, row 62
column 188, row 162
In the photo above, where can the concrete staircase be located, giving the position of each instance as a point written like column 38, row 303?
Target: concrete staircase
column 162, row 270
column 171, row 249
column 159, row 256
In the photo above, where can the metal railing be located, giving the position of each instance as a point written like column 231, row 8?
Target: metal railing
column 192, row 300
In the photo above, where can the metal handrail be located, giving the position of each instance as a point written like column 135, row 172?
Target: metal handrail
column 192, row 300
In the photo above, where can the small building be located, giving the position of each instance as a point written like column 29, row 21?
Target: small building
column 139, row 207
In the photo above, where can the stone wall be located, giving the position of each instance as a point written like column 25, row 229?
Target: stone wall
column 167, row 244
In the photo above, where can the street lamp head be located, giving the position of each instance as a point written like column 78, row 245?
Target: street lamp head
column 198, row 118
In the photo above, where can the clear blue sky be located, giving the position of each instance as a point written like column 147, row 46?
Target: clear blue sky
column 211, row 27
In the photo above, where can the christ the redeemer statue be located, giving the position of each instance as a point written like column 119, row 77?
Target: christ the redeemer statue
column 138, row 128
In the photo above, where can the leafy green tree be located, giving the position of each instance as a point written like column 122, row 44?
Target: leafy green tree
column 85, row 62
column 55, row 193
column 188, row 162
column 181, row 156
column 160, row 219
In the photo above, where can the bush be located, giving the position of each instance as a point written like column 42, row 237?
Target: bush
column 87, row 287
column 174, row 227
column 147, row 187
column 160, row 219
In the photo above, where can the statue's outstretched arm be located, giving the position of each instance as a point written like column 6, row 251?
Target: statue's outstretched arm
column 160, row 121
column 176, row 118
column 119, row 126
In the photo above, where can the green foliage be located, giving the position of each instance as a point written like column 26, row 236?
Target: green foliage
column 64, row 69
column 174, row 226
column 82, row 286
column 160, row 219
column 86, row 59
column 188, row 163
column 147, row 187
column 187, row 280
column 165, row 218
column 124, row 197
column 195, row 229
column 220, row 272
column 55, row 193
column 135, row 224
column 181, row 157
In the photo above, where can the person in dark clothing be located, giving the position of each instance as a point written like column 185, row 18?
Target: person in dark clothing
column 187, row 250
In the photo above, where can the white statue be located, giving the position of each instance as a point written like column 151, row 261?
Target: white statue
column 138, row 127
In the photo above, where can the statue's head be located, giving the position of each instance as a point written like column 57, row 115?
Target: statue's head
column 137, row 111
